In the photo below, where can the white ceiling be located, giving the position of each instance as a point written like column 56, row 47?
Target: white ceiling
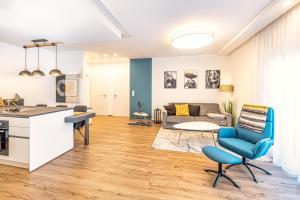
column 96, row 26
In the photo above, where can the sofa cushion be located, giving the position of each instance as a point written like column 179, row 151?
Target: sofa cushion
column 180, row 119
column 204, row 107
column 238, row 146
column 209, row 108
column 171, row 109
column 220, row 122
column 216, row 115
column 194, row 110
column 182, row 109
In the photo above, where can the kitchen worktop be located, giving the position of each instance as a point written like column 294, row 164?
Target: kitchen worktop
column 28, row 111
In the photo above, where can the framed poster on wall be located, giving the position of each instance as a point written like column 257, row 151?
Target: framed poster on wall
column 67, row 88
column 170, row 79
column 190, row 79
column 212, row 79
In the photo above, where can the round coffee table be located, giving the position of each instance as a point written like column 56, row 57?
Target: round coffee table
column 197, row 126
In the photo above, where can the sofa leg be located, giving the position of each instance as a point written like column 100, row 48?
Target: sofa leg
column 257, row 167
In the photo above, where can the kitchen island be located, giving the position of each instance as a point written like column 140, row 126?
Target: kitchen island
column 36, row 135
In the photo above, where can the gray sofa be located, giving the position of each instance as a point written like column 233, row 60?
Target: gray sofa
column 169, row 121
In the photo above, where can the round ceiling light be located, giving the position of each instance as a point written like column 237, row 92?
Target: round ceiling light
column 192, row 38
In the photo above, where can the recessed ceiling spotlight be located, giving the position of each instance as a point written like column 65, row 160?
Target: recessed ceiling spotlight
column 287, row 3
column 115, row 55
column 105, row 55
column 192, row 38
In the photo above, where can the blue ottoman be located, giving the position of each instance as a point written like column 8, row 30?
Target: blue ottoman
column 221, row 157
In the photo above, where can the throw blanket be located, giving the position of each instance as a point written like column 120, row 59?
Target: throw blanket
column 253, row 117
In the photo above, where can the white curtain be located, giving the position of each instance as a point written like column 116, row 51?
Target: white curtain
column 277, row 49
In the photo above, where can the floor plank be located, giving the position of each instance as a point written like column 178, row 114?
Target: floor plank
column 120, row 164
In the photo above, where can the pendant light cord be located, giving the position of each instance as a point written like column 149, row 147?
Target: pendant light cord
column 56, row 56
column 38, row 58
column 26, row 59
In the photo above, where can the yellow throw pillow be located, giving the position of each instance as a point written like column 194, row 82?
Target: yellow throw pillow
column 1, row 102
column 182, row 109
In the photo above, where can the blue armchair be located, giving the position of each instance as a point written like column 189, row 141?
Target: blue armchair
column 248, row 144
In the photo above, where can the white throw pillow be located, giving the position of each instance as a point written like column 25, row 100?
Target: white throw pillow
column 216, row 115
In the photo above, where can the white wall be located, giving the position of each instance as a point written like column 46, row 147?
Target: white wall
column 161, row 96
column 109, row 69
column 34, row 90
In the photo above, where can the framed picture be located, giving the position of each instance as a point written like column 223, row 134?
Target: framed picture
column 170, row 79
column 190, row 79
column 212, row 79
column 67, row 88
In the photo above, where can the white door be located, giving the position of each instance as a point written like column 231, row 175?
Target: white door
column 120, row 95
column 110, row 95
column 99, row 95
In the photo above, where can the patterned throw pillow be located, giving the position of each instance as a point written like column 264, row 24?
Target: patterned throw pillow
column 182, row 109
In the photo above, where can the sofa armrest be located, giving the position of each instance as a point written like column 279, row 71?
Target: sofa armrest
column 227, row 132
column 228, row 118
column 262, row 147
column 165, row 116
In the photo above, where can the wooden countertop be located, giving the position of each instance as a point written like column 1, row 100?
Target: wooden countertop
column 28, row 111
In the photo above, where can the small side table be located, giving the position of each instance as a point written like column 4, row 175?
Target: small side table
column 142, row 117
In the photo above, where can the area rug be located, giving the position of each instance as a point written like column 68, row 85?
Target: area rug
column 191, row 141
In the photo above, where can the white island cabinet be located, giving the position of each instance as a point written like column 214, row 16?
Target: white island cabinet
column 37, row 136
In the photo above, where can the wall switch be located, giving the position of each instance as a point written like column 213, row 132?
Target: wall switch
column 132, row 93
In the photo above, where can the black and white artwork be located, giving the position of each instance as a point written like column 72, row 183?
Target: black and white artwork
column 212, row 79
column 170, row 79
column 67, row 88
column 190, row 79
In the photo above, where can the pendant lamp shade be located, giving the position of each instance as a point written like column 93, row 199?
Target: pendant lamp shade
column 56, row 71
column 38, row 72
column 25, row 72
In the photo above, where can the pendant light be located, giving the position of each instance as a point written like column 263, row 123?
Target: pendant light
column 25, row 72
column 56, row 71
column 38, row 72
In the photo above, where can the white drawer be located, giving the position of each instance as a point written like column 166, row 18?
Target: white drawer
column 18, row 131
column 19, row 149
column 19, row 122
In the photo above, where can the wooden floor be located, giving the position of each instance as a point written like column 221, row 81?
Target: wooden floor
column 120, row 164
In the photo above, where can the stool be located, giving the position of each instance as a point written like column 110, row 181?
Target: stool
column 221, row 157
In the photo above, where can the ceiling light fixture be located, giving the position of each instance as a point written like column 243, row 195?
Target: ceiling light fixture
column 56, row 71
column 38, row 72
column 287, row 3
column 25, row 72
column 192, row 38
column 115, row 55
column 105, row 55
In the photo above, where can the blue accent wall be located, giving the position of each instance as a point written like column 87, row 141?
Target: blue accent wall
column 141, row 84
